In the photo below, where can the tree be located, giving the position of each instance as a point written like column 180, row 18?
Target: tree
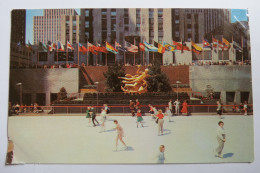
column 158, row 80
column 62, row 94
column 113, row 83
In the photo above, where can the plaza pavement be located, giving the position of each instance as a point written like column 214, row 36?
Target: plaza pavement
column 69, row 139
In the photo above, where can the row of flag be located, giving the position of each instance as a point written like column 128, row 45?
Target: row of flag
column 144, row 46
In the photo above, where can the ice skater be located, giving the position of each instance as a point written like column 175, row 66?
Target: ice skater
column 160, row 156
column 168, row 113
column 139, row 118
column 93, row 115
column 219, row 109
column 221, row 138
column 160, row 122
column 88, row 115
column 107, row 109
column 184, row 108
column 177, row 107
column 170, row 105
column 120, row 135
column 102, row 120
column 151, row 111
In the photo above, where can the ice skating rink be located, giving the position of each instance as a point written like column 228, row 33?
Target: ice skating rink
column 69, row 139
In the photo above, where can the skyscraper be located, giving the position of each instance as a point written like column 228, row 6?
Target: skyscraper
column 18, row 19
column 56, row 24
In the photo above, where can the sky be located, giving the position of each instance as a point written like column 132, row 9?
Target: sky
column 236, row 15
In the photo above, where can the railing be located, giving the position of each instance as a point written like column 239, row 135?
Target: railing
column 125, row 109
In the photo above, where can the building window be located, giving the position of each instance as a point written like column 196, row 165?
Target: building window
column 177, row 12
column 87, row 34
column 87, row 13
column 86, row 24
column 74, row 23
column 160, row 13
column 177, row 21
column 151, row 12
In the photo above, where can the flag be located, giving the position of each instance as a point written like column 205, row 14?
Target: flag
column 101, row 48
column 18, row 44
column 117, row 44
column 69, row 46
column 60, row 46
column 221, row 45
column 161, row 48
column 82, row 48
column 184, row 47
column 131, row 48
column 150, row 47
column 177, row 45
column 169, row 47
column 51, row 46
column 93, row 49
column 206, row 44
column 225, row 43
column 215, row 42
column 237, row 46
column 42, row 47
column 29, row 46
column 122, row 49
column 110, row 48
column 195, row 48
column 142, row 47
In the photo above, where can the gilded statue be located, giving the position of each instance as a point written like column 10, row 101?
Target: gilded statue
column 135, row 83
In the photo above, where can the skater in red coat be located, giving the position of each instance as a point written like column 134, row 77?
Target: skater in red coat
column 184, row 109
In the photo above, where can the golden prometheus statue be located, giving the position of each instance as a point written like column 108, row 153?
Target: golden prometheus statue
column 136, row 83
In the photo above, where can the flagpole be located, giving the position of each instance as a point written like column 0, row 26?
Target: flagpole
column 28, row 58
column 233, row 49
column 242, row 45
column 96, row 56
column 124, row 58
column 203, row 50
column 37, row 57
column 57, row 53
column 78, row 54
column 115, row 54
column 222, row 48
column 67, row 53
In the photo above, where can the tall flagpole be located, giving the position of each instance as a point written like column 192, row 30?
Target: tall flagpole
column 203, row 50
column 233, row 49
column 242, row 50
column 67, row 53
column 222, row 48
column 115, row 54
column 143, row 57
column 57, row 53
column 96, row 56
column 78, row 54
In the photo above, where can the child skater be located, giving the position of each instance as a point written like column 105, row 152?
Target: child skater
column 160, row 156
column 139, row 118
column 120, row 134
column 151, row 111
column 168, row 113
column 102, row 120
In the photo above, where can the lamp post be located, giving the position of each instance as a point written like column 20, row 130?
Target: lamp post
column 96, row 83
column 21, row 92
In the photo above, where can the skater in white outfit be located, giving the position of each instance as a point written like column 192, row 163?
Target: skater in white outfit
column 107, row 111
column 168, row 113
column 221, row 138
column 120, row 134
column 102, row 120
column 177, row 107
column 155, row 112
